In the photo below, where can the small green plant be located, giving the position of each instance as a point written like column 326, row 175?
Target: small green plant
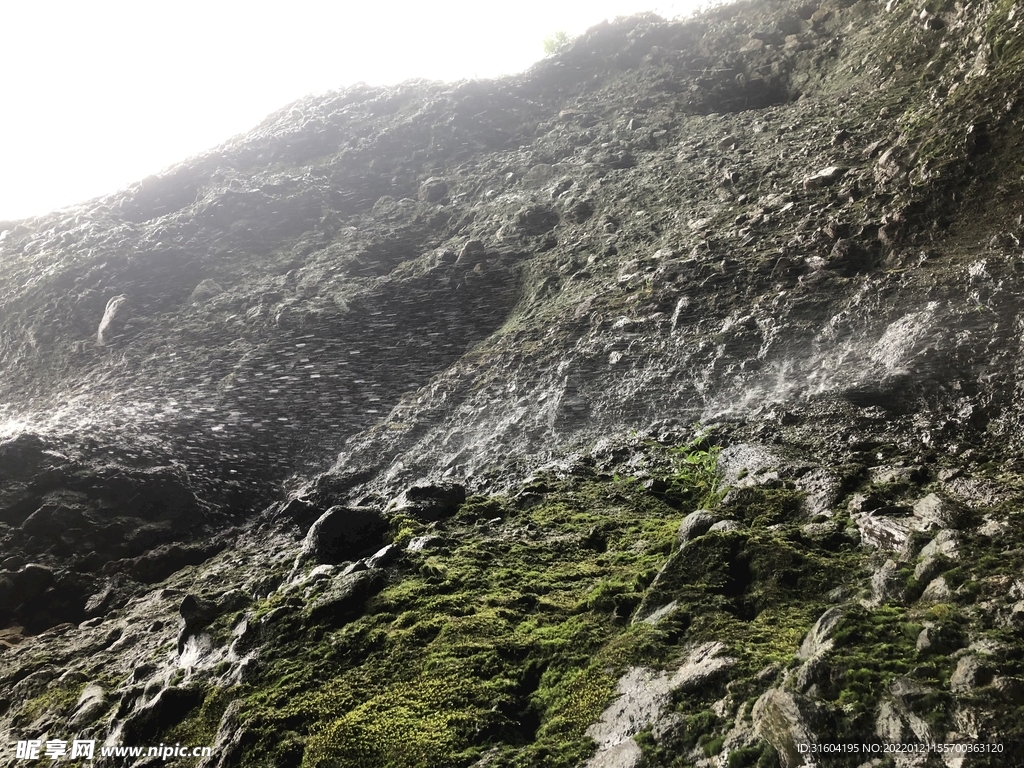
column 695, row 473
column 553, row 42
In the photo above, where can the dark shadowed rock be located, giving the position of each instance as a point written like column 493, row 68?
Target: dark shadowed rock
column 168, row 708
column 24, row 586
column 343, row 533
column 536, row 219
column 940, row 639
column 300, row 511
column 159, row 563
column 344, row 598
column 580, row 211
column 113, row 594
column 20, row 456
column 196, row 613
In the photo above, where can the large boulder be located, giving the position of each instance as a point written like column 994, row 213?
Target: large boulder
column 344, row 533
column 20, row 456
column 24, row 586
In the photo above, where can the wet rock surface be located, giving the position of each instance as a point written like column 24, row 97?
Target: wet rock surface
column 372, row 434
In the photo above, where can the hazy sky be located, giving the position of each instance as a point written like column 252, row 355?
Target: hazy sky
column 97, row 94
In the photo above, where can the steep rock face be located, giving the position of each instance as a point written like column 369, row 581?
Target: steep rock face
column 486, row 317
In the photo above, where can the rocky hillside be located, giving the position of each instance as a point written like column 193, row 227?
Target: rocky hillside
column 660, row 406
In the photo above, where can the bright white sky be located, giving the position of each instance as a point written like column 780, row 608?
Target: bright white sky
column 97, row 94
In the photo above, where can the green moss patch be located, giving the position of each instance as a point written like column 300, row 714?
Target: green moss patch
column 508, row 639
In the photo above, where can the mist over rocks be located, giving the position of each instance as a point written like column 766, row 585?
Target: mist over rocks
column 747, row 282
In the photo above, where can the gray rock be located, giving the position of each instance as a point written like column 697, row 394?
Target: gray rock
column 358, row 565
column 320, row 573
column 536, row 220
column 886, row 584
column 822, row 487
column 937, row 556
column 696, row 524
column 643, row 694
column 847, row 257
column 937, row 512
column 231, row 738
column 811, row 674
column 12, row 563
column 657, row 614
column 724, row 526
column 778, row 720
column 888, row 724
column 819, row 639
column 818, row 530
column 624, row 754
column 112, row 322
column 20, row 457
column 433, row 189
column 430, row 502
column 206, row 290
column 937, row 591
column 160, row 562
column 34, row 683
column 970, row 673
column 1010, row 689
column 538, row 175
column 886, row 474
column 384, row 556
column 472, row 250
column 300, row 511
column 907, row 697
column 929, row 567
column 421, row 543
column 946, row 543
column 825, row 177
column 52, row 518
column 992, row 528
column 749, row 464
column 24, row 586
column 704, row 668
column 112, row 594
column 91, row 704
column 579, row 211
column 1016, row 616
column 864, row 502
column 888, row 533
